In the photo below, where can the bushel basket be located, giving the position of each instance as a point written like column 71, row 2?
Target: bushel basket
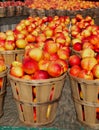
column 85, row 94
column 37, row 100
column 3, row 81
column 12, row 55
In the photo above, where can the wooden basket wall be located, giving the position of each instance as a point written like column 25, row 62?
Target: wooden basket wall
column 3, row 80
column 3, row 11
column 76, row 52
column 10, row 56
column 85, row 94
column 41, row 95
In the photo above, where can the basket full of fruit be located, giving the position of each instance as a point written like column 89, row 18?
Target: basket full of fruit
column 11, row 47
column 37, row 85
column 3, row 80
column 84, row 79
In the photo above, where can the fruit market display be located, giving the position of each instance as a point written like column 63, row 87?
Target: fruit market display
column 47, row 49
column 13, row 8
column 63, row 5
column 85, row 34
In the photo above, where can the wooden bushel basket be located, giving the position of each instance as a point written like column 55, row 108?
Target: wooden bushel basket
column 85, row 94
column 10, row 56
column 75, row 52
column 37, row 100
column 2, row 12
column 3, row 80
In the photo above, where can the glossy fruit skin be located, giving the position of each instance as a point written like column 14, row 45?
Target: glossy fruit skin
column 41, row 74
column 30, row 66
column 74, row 60
column 77, row 46
column 95, row 71
column 74, row 70
column 55, row 69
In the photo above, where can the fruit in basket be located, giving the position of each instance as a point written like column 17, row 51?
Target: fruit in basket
column 88, row 63
column 74, row 60
column 95, row 71
column 63, row 63
column 16, row 63
column 2, row 64
column 77, row 46
column 17, row 71
column 21, row 43
column 86, row 75
column 30, row 38
column 9, row 32
column 87, row 53
column 55, row 69
column 30, row 66
column 50, row 46
column 63, row 53
column 9, row 45
column 27, row 77
column 87, row 44
column 43, row 64
column 41, row 74
column 36, row 53
column 74, row 70
column 10, row 38
column 20, row 36
column 2, row 36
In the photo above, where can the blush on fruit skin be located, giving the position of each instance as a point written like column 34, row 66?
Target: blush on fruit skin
column 17, row 71
column 30, row 66
column 54, row 69
column 77, row 46
column 95, row 71
column 74, row 60
column 74, row 70
column 41, row 74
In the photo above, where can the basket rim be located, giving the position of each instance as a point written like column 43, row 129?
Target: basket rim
column 82, row 80
column 37, row 81
column 12, row 51
column 4, row 73
column 79, row 52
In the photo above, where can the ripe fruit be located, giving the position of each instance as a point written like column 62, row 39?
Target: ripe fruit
column 88, row 63
column 21, row 43
column 17, row 71
column 30, row 66
column 74, row 70
column 36, row 53
column 77, row 46
column 55, row 69
column 50, row 46
column 88, row 52
column 74, row 60
column 41, row 74
column 95, row 71
column 85, row 75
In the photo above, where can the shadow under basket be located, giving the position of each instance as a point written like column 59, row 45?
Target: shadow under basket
column 3, row 81
column 85, row 94
column 10, row 56
column 37, row 100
